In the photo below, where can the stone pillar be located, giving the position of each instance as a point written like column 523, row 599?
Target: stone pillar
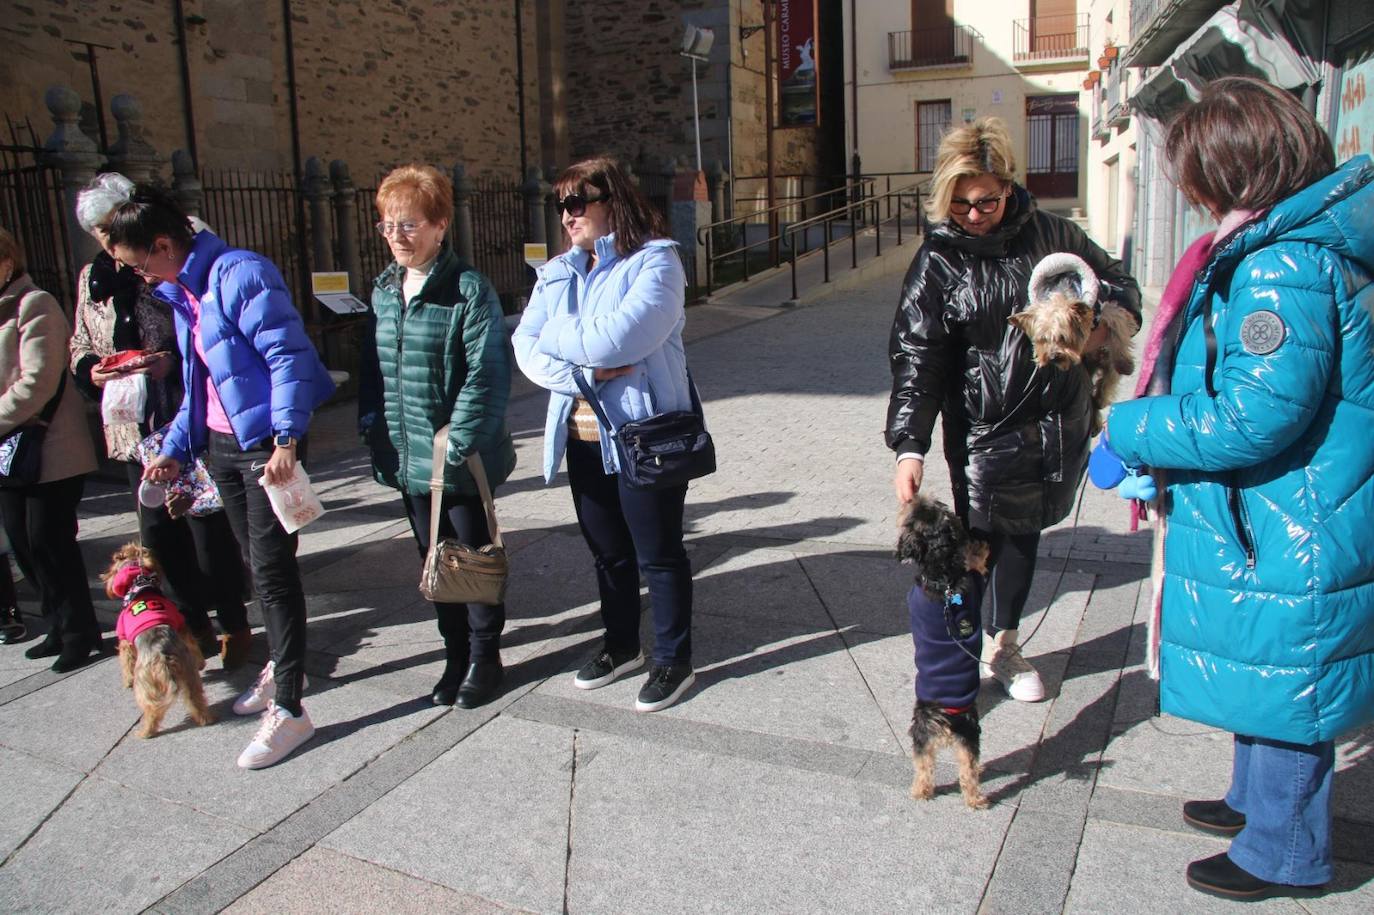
column 716, row 179
column 317, row 193
column 553, row 223
column 78, row 159
column 346, row 228
column 132, row 155
column 186, row 186
column 691, row 209
column 463, row 242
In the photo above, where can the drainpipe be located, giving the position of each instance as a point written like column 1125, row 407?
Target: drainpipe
column 520, row 85
column 856, row 164
column 184, row 61
column 311, row 309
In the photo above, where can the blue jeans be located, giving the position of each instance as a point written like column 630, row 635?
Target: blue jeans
column 1284, row 790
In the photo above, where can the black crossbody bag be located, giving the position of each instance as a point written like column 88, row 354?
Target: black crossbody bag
column 661, row 451
column 21, row 451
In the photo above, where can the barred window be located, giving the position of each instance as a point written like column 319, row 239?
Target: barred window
column 932, row 120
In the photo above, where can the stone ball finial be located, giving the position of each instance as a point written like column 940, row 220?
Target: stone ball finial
column 314, row 168
column 338, row 171
column 126, row 108
column 63, row 103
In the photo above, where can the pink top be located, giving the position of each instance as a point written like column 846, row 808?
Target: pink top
column 215, row 417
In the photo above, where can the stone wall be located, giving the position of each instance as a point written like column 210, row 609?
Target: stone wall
column 378, row 83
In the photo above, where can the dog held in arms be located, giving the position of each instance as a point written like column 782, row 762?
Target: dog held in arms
column 157, row 655
column 951, row 570
column 1063, row 312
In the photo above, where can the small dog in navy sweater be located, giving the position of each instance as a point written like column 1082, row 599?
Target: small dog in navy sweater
column 951, row 570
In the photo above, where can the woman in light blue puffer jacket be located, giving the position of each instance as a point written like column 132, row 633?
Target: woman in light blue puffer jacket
column 1268, row 590
column 612, row 308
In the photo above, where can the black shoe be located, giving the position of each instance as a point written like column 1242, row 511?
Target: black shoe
column 446, row 690
column 1220, row 876
column 49, row 647
column 606, row 667
column 12, row 628
column 481, row 685
column 666, row 684
column 1216, row 817
column 76, row 652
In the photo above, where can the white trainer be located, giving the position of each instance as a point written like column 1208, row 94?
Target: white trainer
column 1002, row 661
column 277, row 738
column 257, row 697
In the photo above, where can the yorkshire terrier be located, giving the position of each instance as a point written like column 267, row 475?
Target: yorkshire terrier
column 157, row 654
column 951, row 567
column 1064, row 311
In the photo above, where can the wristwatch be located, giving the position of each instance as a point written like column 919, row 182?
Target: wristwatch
column 284, row 440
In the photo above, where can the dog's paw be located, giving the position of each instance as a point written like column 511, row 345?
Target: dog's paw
column 146, row 733
column 977, row 802
column 922, row 792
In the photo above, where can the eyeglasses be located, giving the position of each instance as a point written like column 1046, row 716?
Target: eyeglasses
column 960, row 207
column 387, row 229
column 143, row 270
column 576, row 205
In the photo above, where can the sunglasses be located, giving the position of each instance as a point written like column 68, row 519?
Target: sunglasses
column 960, row 207
column 576, row 205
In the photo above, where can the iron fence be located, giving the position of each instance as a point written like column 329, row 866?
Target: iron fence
column 498, row 239
column 261, row 211
column 31, row 206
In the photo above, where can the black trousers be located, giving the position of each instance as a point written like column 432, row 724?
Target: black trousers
column 40, row 521
column 1011, row 568
column 271, row 553
column 200, row 561
column 631, row 531
column 470, row 631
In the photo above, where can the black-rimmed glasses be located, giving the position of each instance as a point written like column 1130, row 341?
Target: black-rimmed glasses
column 576, row 205
column 960, row 207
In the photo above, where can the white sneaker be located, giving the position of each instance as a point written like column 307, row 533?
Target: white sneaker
column 1003, row 662
column 278, row 737
column 257, row 697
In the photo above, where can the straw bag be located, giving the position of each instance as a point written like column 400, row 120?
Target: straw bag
column 454, row 572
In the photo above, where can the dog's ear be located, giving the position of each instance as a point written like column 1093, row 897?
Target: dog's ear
column 1022, row 321
column 1081, row 310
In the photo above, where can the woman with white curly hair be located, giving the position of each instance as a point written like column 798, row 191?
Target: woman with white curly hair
column 116, row 312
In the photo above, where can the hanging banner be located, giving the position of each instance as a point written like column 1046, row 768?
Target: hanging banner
column 1354, row 133
column 799, row 98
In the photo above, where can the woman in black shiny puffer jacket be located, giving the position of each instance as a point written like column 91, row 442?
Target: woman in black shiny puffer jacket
column 1016, row 436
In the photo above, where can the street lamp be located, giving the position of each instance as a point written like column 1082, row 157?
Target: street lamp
column 696, row 45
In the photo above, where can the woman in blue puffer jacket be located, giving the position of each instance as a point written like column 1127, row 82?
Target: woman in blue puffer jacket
column 1268, row 595
column 611, row 308
column 251, row 381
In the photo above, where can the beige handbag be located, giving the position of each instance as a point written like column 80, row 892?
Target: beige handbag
column 454, row 572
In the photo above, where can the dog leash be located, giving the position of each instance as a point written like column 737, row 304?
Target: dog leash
column 1064, row 567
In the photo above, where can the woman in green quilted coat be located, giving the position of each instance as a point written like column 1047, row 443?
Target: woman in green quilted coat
column 435, row 354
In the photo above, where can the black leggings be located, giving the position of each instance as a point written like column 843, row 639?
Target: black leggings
column 40, row 521
column 1011, row 569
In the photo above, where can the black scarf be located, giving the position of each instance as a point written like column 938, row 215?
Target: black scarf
column 120, row 286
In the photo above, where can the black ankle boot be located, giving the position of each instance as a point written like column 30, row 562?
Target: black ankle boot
column 77, row 651
column 481, row 684
column 446, row 690
column 12, row 628
column 49, row 647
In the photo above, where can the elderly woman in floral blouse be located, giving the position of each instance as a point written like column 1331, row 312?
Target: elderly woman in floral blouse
column 117, row 312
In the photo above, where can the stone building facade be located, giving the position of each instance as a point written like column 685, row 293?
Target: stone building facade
column 374, row 83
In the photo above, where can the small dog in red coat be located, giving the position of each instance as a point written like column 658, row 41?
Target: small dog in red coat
column 157, row 654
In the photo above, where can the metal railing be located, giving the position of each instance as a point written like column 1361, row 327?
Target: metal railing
column 1049, row 38
column 33, row 208
column 733, row 234
column 856, row 214
column 948, row 46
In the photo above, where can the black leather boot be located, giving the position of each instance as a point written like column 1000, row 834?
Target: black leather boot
column 446, row 690
column 51, row 646
column 12, row 628
column 77, row 651
column 482, row 683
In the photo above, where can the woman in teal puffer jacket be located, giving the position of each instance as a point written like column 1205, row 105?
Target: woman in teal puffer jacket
column 1268, row 595
column 435, row 354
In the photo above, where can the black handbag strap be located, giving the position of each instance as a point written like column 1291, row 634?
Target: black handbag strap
column 590, row 396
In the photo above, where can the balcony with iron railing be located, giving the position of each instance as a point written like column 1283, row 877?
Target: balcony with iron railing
column 1157, row 27
column 950, row 46
column 1049, row 39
